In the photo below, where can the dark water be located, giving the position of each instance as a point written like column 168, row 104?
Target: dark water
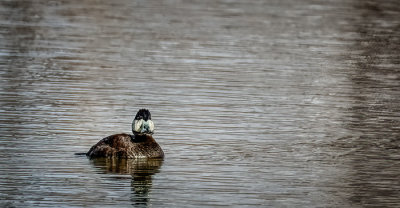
column 280, row 103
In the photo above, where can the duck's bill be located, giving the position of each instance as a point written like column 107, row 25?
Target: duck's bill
column 143, row 127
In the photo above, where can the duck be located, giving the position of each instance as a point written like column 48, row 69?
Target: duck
column 139, row 145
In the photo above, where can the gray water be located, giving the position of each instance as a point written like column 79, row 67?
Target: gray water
column 280, row 103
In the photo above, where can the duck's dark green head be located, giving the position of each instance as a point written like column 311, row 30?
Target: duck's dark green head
column 142, row 123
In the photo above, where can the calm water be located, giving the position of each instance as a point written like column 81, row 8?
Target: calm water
column 280, row 103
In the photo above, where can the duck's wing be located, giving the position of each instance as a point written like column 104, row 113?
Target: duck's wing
column 111, row 146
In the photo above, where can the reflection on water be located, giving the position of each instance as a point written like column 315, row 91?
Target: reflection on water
column 374, row 121
column 281, row 103
column 141, row 171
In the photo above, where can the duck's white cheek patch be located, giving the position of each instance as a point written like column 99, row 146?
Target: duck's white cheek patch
column 138, row 125
column 151, row 126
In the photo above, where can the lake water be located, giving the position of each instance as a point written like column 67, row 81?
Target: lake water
column 280, row 103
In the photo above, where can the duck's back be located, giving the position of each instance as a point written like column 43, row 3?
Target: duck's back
column 126, row 146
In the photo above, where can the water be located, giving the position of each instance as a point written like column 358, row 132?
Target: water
column 256, row 104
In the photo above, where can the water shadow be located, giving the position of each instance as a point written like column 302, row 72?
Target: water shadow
column 141, row 171
column 373, row 117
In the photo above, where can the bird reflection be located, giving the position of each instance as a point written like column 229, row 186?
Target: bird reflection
column 141, row 171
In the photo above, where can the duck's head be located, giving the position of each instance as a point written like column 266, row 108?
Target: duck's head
column 142, row 123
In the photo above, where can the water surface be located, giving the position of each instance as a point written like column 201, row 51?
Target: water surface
column 261, row 104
